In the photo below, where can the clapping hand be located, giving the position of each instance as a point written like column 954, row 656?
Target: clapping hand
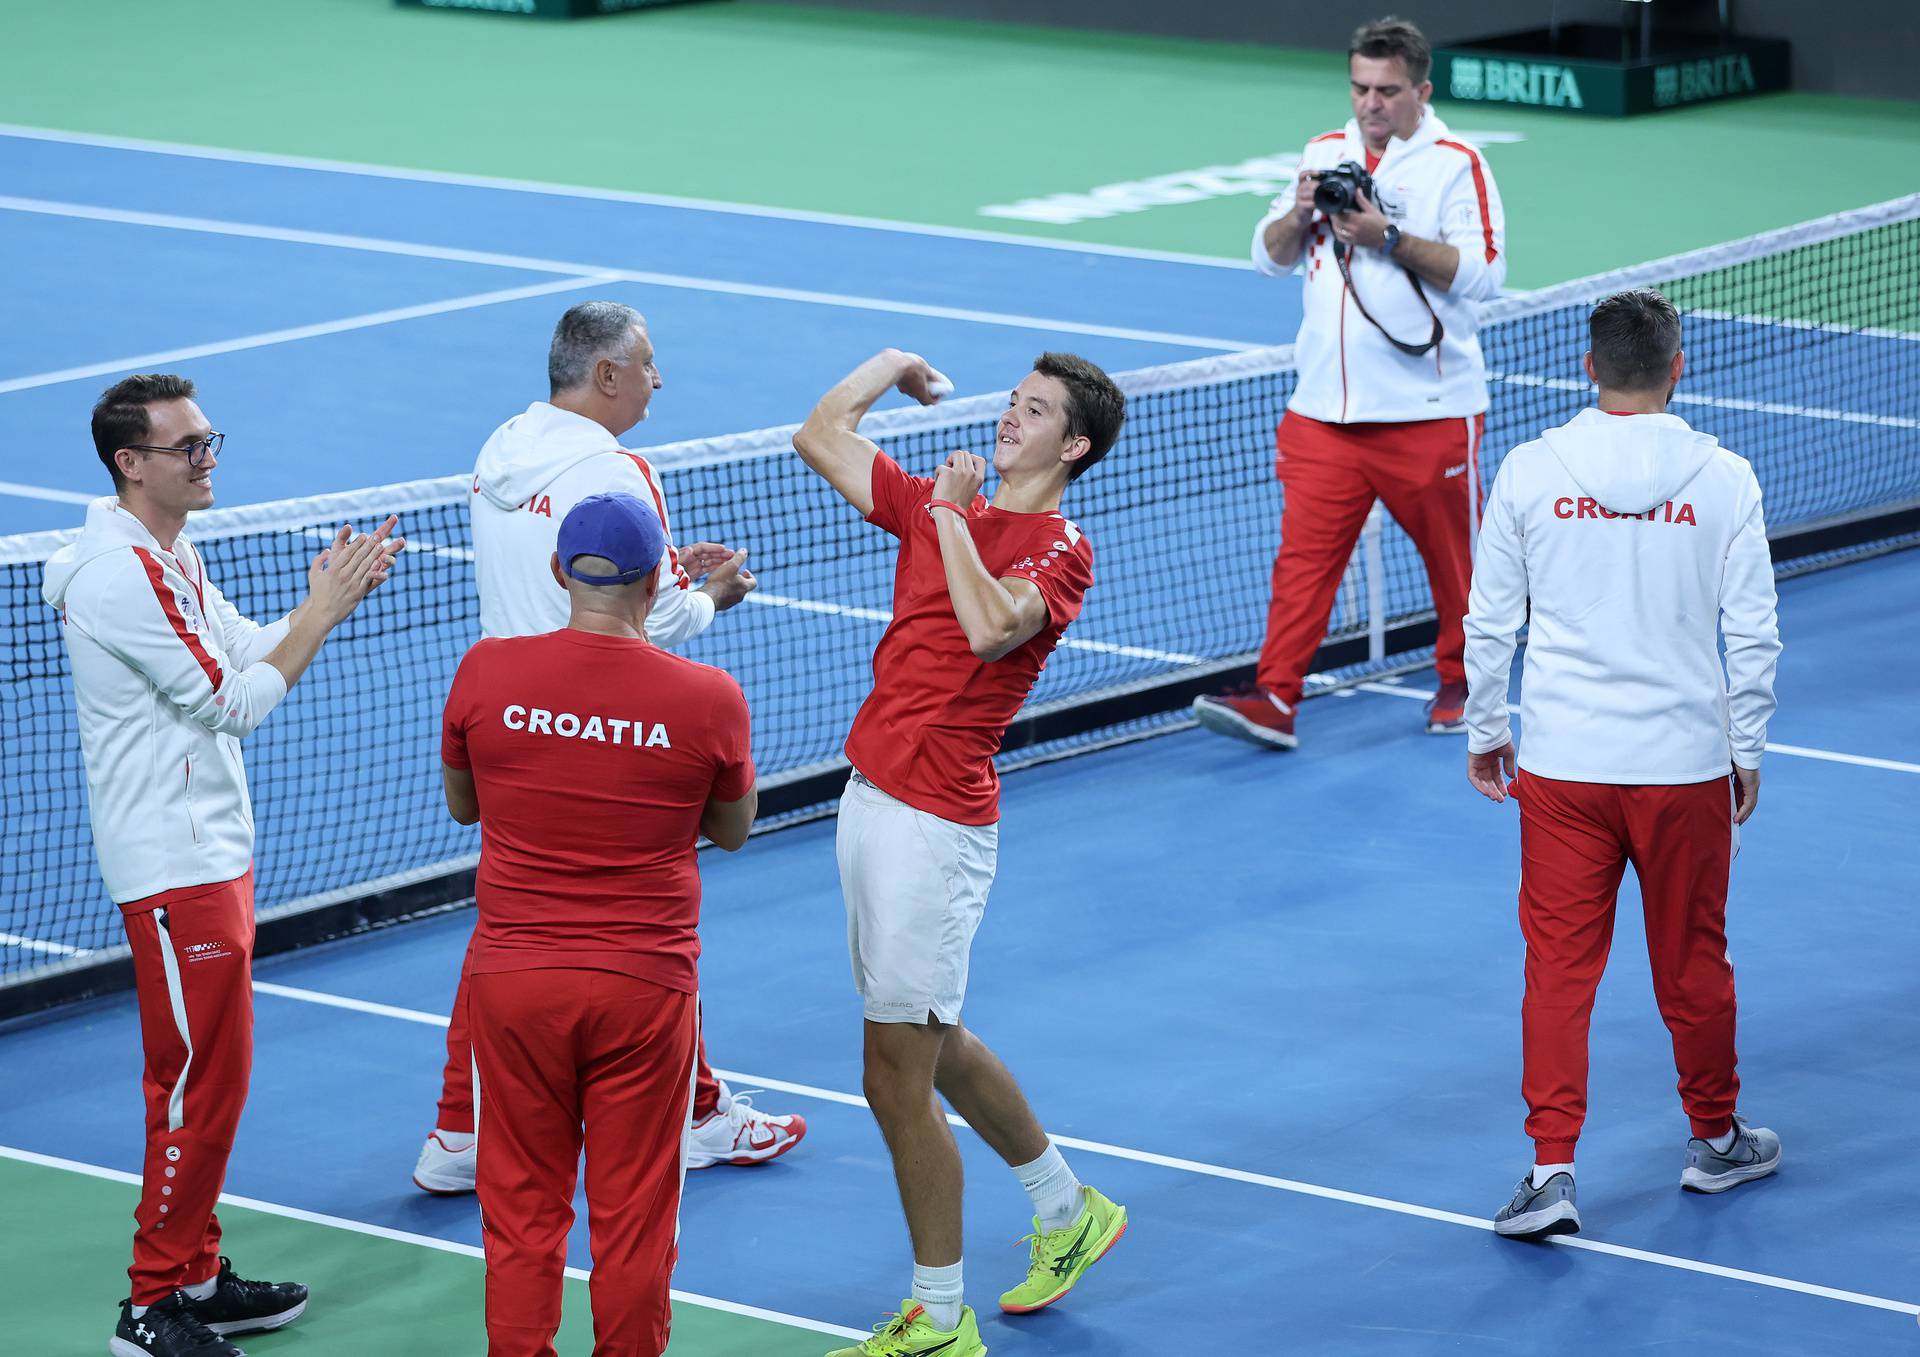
column 352, row 567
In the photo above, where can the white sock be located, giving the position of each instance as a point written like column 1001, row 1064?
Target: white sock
column 1542, row 1172
column 137, row 1311
column 1053, row 1188
column 454, row 1142
column 203, row 1290
column 938, row 1289
column 1721, row 1144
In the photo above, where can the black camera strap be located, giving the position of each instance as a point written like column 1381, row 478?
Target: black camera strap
column 1412, row 350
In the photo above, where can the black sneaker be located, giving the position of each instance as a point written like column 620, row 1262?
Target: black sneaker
column 169, row 1328
column 240, row 1306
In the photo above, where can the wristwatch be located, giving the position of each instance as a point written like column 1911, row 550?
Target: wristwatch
column 1391, row 242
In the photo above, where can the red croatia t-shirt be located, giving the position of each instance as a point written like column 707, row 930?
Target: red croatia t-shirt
column 593, row 757
column 928, row 732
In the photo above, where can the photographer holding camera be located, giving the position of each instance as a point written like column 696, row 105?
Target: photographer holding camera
column 1399, row 232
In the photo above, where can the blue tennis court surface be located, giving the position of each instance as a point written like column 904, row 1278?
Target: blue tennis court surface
column 1269, row 1002
column 136, row 258
column 1283, row 1029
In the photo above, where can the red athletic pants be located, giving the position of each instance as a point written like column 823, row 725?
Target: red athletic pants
column 1426, row 472
column 193, row 972
column 570, row 1057
column 1576, row 839
column 456, row 1081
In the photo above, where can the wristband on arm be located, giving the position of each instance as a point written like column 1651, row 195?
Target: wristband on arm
column 933, row 504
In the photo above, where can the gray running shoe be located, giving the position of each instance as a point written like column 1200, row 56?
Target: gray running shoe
column 1548, row 1209
column 1754, row 1154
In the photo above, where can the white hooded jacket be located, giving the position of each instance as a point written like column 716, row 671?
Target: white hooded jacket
column 1434, row 186
column 534, row 468
column 1637, row 541
column 167, row 677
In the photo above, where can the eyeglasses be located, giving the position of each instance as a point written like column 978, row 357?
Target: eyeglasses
column 195, row 452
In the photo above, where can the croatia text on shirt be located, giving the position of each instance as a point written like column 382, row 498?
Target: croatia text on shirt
column 605, row 729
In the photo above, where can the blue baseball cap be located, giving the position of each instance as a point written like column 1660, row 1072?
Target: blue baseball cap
column 618, row 527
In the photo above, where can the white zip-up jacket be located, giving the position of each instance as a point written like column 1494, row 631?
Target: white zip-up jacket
column 1437, row 187
column 1638, row 541
column 534, row 468
column 167, row 677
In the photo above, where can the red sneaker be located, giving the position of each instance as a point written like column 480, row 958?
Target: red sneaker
column 1447, row 712
column 1252, row 714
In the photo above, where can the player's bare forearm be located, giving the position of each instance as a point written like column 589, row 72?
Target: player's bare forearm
column 463, row 797
column 1432, row 261
column 830, row 442
column 996, row 619
column 1285, row 235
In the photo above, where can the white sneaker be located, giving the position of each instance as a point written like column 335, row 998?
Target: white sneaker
column 737, row 1132
column 447, row 1163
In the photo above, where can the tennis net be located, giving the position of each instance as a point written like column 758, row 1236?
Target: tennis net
column 1803, row 355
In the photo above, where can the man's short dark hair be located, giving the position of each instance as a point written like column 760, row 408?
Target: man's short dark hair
column 1394, row 37
column 121, row 417
column 1634, row 336
column 1096, row 408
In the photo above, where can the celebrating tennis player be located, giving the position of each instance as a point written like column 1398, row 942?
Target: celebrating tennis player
column 602, row 372
column 594, row 762
column 167, row 677
column 1637, row 543
column 983, row 591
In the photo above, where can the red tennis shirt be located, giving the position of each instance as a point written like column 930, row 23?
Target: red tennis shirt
column 928, row 732
column 593, row 757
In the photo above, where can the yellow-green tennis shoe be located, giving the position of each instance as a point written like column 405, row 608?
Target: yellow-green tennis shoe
column 1061, row 1257
column 910, row 1334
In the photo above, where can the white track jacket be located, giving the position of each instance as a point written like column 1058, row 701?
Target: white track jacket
column 1638, row 541
column 167, row 677
column 1434, row 186
column 534, row 468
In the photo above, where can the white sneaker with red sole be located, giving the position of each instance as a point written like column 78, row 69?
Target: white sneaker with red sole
column 737, row 1132
column 447, row 1164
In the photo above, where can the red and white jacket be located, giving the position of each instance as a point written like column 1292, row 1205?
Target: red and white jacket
column 167, row 677
column 1434, row 186
column 534, row 468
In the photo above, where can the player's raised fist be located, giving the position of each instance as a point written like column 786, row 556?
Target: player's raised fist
column 960, row 479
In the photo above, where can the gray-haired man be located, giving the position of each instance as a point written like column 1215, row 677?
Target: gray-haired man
column 603, row 372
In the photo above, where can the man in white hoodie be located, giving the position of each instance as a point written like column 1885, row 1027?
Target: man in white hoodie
column 602, row 373
column 1392, row 392
column 1629, row 544
column 168, row 677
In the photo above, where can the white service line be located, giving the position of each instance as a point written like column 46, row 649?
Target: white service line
column 424, row 1241
column 368, row 171
column 1794, row 750
column 41, row 492
column 148, row 361
column 449, row 254
column 742, row 1079
column 812, row 605
column 36, row 945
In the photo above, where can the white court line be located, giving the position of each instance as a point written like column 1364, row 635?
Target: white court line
column 364, row 170
column 1796, row 751
column 41, row 492
column 148, row 361
column 1194, row 1166
column 424, row 1241
column 810, row 605
column 725, row 287
column 1723, row 402
column 36, row 945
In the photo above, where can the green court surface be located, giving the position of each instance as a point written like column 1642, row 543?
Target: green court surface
column 914, row 120
column 374, row 1294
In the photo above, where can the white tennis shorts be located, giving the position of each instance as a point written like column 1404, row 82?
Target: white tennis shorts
column 915, row 886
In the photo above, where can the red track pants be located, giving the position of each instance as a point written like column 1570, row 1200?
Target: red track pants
column 1576, row 839
column 569, row 1057
column 1426, row 472
column 193, row 973
column 456, row 1081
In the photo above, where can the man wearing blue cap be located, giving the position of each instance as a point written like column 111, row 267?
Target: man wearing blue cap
column 594, row 760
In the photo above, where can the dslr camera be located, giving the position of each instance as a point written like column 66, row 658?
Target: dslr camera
column 1336, row 190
